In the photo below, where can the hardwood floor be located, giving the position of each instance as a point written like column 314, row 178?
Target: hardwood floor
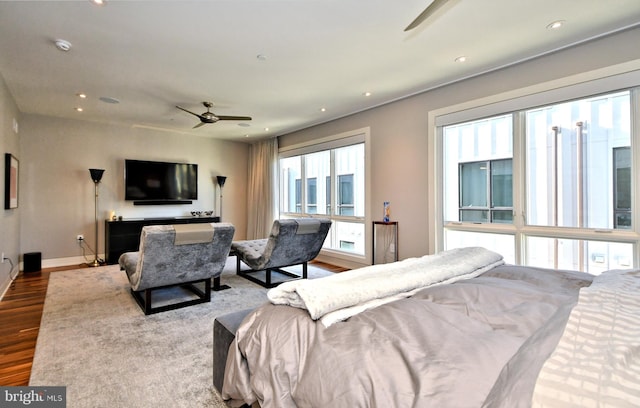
column 20, row 314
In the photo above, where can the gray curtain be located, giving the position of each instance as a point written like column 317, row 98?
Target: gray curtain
column 263, row 188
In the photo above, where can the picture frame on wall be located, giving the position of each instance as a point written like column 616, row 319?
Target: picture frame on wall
column 11, row 169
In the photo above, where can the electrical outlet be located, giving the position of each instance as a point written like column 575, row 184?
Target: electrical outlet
column 80, row 237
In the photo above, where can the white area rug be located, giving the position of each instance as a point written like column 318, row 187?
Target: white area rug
column 96, row 341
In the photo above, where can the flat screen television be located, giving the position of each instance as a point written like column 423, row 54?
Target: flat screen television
column 152, row 182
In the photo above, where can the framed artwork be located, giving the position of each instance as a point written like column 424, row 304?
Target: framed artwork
column 10, row 181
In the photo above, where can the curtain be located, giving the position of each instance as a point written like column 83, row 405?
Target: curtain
column 262, row 189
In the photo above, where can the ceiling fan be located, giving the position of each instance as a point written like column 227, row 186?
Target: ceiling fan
column 431, row 8
column 210, row 117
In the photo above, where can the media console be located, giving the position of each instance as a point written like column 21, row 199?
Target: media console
column 124, row 236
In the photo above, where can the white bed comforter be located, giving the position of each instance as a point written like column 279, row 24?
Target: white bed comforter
column 597, row 361
column 346, row 294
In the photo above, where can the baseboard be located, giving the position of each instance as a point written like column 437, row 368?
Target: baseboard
column 6, row 288
column 72, row 260
column 8, row 282
column 341, row 260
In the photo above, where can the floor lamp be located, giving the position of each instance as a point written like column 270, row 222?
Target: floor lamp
column 96, row 176
column 221, row 181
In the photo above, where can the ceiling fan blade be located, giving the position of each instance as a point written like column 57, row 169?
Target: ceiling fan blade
column 188, row 111
column 198, row 125
column 431, row 8
column 221, row 117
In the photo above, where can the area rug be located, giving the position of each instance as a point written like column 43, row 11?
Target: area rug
column 96, row 341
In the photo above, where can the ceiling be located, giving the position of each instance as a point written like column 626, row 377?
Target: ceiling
column 279, row 61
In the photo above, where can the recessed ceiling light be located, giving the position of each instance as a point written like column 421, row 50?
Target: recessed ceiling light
column 555, row 25
column 78, row 109
column 461, row 58
column 99, row 2
column 81, row 95
column 109, row 99
column 266, row 129
column 63, row 45
column 323, row 109
column 367, row 94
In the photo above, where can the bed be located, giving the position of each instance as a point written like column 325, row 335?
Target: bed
column 462, row 330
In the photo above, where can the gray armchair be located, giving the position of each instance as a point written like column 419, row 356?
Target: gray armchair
column 291, row 242
column 177, row 255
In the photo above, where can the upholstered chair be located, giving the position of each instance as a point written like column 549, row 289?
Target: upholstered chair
column 177, row 255
column 291, row 242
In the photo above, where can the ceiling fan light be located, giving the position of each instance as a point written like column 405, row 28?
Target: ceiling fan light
column 109, row 99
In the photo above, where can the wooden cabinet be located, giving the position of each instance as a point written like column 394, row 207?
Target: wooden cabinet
column 124, row 236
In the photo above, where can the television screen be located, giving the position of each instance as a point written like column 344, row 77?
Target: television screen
column 160, row 181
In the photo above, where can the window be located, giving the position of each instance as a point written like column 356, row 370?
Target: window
column 622, row 187
column 345, row 194
column 291, row 187
column 486, row 192
column 576, row 183
column 570, row 161
column 312, row 196
column 479, row 166
column 341, row 197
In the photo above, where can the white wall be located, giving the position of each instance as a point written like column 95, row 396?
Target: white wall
column 399, row 130
column 57, row 194
column 9, row 219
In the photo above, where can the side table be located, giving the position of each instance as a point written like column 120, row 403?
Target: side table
column 385, row 242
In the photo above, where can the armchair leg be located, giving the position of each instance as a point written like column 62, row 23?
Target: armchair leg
column 268, row 282
column 217, row 286
column 145, row 300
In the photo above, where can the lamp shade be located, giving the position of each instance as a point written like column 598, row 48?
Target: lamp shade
column 96, row 174
column 221, row 180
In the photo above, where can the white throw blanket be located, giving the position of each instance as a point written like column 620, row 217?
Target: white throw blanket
column 597, row 361
column 348, row 293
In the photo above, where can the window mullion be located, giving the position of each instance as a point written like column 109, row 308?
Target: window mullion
column 519, row 183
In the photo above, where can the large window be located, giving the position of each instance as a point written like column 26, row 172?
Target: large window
column 576, row 184
column 328, row 183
